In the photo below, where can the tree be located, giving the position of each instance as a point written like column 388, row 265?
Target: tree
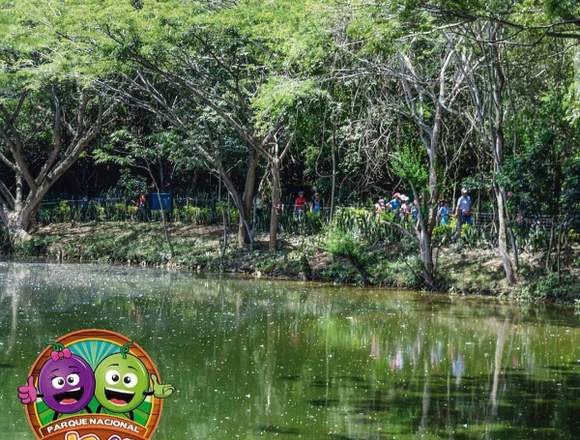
column 281, row 104
column 429, row 101
column 200, row 79
column 76, row 124
column 145, row 152
column 422, row 86
column 43, row 79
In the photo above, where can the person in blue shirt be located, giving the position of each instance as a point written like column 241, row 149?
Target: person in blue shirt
column 395, row 204
column 315, row 205
column 444, row 213
column 463, row 210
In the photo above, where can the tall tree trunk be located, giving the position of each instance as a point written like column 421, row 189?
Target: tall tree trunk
column 333, row 187
column 162, row 211
column 238, row 202
column 423, row 234
column 275, row 184
column 17, row 226
column 20, row 220
column 502, row 246
column 426, row 254
column 244, row 231
column 497, row 85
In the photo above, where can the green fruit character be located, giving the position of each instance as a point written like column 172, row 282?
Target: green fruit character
column 123, row 383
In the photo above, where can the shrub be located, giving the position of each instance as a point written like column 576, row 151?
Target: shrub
column 367, row 224
column 313, row 223
column 443, row 234
column 549, row 288
column 132, row 211
column 193, row 214
column 340, row 272
column 63, row 211
column 36, row 246
column 101, row 212
column 343, row 244
column 232, row 215
column 118, row 212
column 402, row 272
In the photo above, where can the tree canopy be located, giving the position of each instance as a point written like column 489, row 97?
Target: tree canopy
column 354, row 98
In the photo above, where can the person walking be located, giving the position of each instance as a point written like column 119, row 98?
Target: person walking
column 299, row 204
column 380, row 205
column 463, row 209
column 315, row 205
column 395, row 203
column 444, row 213
column 142, row 208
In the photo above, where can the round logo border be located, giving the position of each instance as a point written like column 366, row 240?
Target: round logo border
column 96, row 334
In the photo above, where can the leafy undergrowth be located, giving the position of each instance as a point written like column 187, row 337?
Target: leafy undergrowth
column 324, row 257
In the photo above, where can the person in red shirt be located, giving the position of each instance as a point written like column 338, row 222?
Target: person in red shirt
column 300, row 203
column 141, row 207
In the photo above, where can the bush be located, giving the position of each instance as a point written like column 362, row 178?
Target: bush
column 36, row 246
column 370, row 226
column 312, row 223
column 340, row 272
column 63, row 211
column 402, row 272
column 193, row 214
column 132, row 211
column 472, row 237
column 549, row 289
column 443, row 234
column 118, row 212
column 343, row 244
column 232, row 215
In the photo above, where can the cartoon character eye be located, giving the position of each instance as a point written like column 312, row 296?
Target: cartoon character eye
column 58, row 382
column 130, row 380
column 73, row 379
column 112, row 377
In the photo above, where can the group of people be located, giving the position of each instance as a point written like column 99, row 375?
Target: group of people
column 301, row 204
column 403, row 208
column 399, row 204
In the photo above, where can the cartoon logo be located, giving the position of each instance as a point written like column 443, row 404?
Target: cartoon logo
column 94, row 385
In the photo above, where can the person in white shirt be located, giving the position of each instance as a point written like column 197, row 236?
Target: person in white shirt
column 463, row 209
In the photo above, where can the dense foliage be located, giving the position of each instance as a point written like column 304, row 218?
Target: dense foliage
column 255, row 100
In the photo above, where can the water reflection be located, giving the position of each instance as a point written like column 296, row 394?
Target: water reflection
column 270, row 360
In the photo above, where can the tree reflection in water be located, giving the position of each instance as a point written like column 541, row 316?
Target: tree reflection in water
column 269, row 360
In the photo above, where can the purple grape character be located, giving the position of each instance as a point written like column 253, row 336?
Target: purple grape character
column 66, row 383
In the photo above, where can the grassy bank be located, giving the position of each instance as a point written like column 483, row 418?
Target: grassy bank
column 320, row 257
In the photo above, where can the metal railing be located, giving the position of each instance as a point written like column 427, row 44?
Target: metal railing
column 204, row 211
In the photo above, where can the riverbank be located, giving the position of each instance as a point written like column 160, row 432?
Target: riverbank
column 462, row 270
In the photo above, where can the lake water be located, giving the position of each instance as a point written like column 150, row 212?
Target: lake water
column 272, row 360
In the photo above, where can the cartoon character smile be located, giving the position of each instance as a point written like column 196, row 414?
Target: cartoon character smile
column 118, row 397
column 123, row 383
column 66, row 383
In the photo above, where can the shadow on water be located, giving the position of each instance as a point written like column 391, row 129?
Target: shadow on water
column 290, row 377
